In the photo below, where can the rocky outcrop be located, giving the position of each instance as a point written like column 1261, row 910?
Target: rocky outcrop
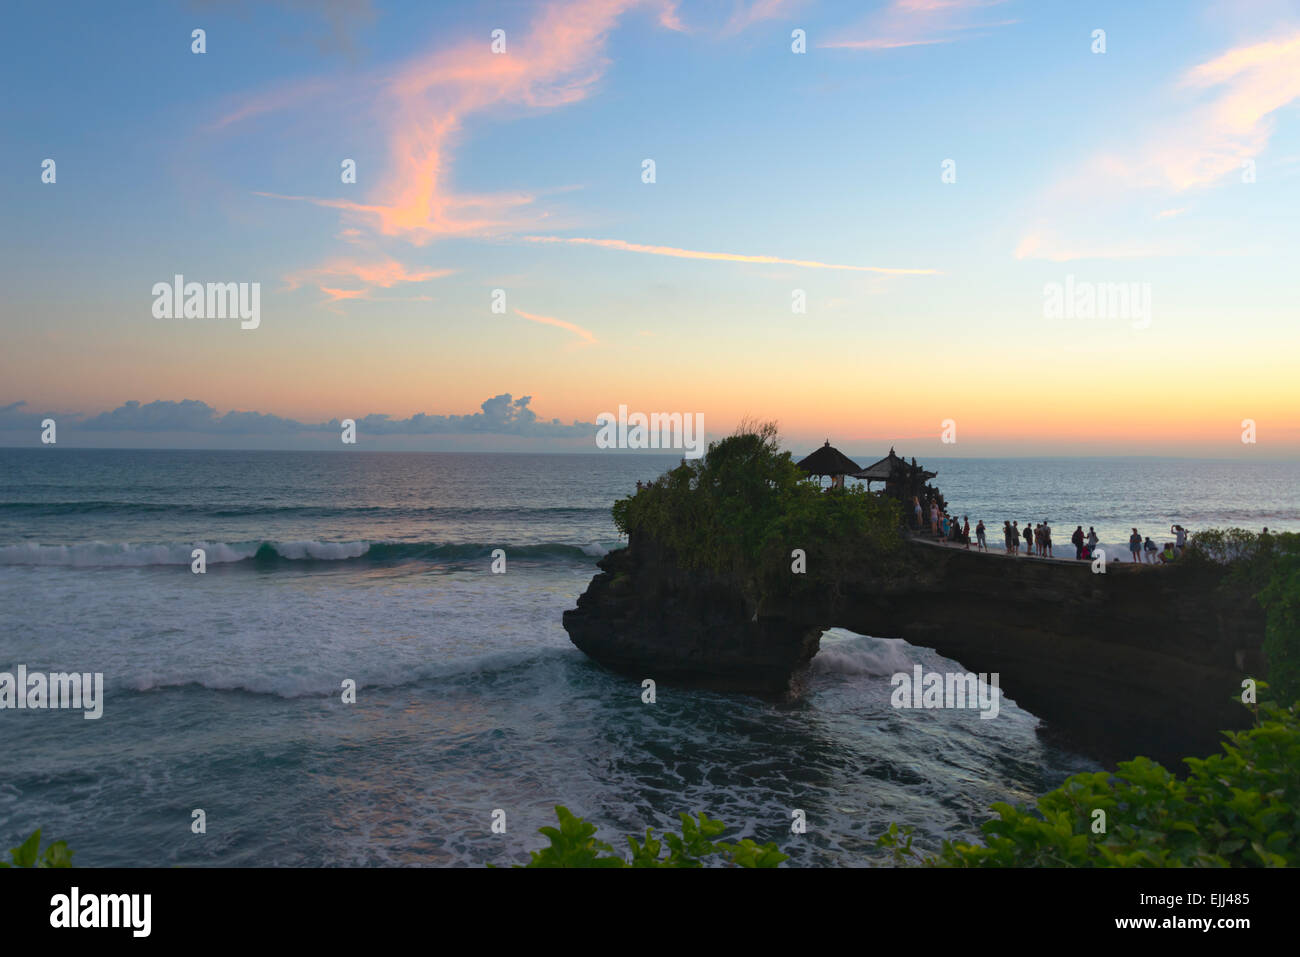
column 1139, row 660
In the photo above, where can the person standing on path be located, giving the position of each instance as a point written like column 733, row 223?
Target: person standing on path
column 1135, row 546
column 980, row 544
column 1077, row 539
column 1029, row 539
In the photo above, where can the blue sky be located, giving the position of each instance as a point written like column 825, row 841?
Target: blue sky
column 1106, row 167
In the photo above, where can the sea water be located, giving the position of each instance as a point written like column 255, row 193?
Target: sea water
column 224, row 691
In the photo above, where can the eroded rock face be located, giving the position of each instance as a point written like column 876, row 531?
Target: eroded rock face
column 1136, row 661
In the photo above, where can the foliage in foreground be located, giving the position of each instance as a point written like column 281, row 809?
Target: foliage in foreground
column 574, row 844
column 1236, row 809
column 745, row 505
column 1269, row 566
column 28, row 853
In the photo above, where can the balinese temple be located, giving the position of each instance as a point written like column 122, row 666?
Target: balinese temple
column 903, row 481
column 829, row 460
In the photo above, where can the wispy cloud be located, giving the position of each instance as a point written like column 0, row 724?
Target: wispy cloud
column 910, row 23
column 386, row 273
column 577, row 330
column 271, row 101
column 723, row 257
column 363, row 278
column 1221, row 114
column 755, row 11
column 422, row 107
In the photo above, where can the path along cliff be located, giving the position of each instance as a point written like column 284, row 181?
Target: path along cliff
column 1139, row 660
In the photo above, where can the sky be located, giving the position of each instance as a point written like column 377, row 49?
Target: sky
column 874, row 223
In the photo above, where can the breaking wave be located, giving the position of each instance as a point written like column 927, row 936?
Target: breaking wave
column 101, row 554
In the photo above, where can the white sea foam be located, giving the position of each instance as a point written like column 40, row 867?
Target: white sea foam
column 846, row 653
column 93, row 554
column 322, row 682
column 321, row 551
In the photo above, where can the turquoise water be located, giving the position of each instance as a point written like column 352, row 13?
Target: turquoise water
column 222, row 690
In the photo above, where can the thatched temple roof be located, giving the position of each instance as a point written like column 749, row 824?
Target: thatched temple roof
column 828, row 461
column 890, row 467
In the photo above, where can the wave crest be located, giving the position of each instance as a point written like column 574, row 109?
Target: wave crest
column 101, row 554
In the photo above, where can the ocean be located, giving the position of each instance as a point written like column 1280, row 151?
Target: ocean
column 223, row 690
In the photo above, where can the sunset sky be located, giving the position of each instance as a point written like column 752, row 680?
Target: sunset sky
column 1171, row 160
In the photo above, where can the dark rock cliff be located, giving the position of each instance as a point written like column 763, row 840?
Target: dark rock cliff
column 1140, row 660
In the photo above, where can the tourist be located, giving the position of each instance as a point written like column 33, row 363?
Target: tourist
column 934, row 518
column 1135, row 546
column 965, row 531
column 1045, row 540
column 1077, row 540
column 1028, row 535
column 1150, row 548
column 1180, row 537
column 943, row 526
column 980, row 544
column 1007, row 536
column 916, row 513
column 1168, row 554
column 1085, row 553
column 1092, row 539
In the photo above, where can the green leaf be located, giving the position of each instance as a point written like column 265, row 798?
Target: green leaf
column 24, row 855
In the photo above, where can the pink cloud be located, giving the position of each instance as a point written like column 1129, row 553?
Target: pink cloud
column 577, row 330
column 382, row 274
column 756, row 11
column 1222, row 116
column 423, row 105
column 911, row 23
column 338, row 294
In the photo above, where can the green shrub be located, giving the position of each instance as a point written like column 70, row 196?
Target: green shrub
column 1240, row 808
column 1268, row 566
column 1281, row 600
column 574, row 844
column 27, row 854
column 743, row 507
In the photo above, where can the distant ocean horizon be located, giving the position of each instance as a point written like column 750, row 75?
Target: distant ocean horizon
column 863, row 458
column 222, row 690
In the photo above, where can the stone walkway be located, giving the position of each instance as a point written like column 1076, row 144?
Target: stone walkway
column 998, row 549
